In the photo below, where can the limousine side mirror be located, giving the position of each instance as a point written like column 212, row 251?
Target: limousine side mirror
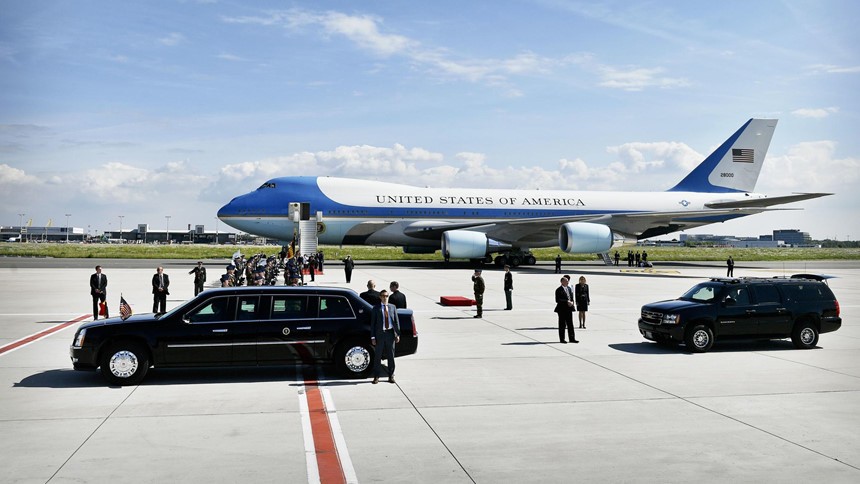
column 728, row 302
column 185, row 319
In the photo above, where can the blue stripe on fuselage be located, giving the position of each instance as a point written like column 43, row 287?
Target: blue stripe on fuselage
column 273, row 199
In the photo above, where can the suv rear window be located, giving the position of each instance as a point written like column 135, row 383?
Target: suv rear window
column 806, row 292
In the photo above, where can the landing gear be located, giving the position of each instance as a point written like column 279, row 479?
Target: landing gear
column 515, row 258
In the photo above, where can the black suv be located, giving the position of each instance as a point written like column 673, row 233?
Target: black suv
column 800, row 307
column 256, row 325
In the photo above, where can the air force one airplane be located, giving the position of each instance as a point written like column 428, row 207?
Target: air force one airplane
column 476, row 223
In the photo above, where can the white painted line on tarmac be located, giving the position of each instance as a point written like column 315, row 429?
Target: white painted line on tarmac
column 339, row 441
column 307, row 432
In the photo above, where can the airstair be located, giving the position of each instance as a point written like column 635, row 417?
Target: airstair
column 606, row 258
column 308, row 241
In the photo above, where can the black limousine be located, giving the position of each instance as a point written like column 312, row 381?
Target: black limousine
column 258, row 325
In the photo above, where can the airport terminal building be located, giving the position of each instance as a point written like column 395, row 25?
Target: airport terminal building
column 142, row 234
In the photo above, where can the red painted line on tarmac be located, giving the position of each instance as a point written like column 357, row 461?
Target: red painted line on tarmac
column 41, row 334
column 328, row 461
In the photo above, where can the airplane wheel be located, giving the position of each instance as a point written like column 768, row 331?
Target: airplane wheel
column 530, row 260
column 515, row 261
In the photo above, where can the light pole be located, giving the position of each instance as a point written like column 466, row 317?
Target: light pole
column 67, row 227
column 167, row 238
column 21, row 227
column 216, row 230
column 120, row 229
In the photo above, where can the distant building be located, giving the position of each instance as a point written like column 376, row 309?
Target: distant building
column 140, row 235
column 793, row 237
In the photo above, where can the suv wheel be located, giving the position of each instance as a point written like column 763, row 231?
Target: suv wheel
column 124, row 363
column 699, row 338
column 805, row 335
column 354, row 359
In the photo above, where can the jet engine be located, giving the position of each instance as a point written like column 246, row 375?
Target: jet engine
column 465, row 244
column 584, row 238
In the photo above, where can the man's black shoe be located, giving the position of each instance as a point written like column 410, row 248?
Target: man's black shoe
column 574, row 341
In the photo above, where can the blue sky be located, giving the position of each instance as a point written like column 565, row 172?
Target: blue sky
column 148, row 109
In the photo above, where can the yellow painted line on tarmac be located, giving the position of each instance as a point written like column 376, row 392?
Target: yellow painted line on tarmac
column 652, row 271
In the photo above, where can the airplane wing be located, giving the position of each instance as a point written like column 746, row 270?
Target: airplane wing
column 541, row 229
column 766, row 201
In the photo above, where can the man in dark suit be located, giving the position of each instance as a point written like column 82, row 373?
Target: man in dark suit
column 558, row 263
column 397, row 298
column 199, row 277
column 371, row 295
column 384, row 334
column 160, row 282
column 565, row 307
column 98, row 289
column 509, row 288
column 348, row 264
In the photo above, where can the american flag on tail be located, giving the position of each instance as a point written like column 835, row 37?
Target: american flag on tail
column 124, row 308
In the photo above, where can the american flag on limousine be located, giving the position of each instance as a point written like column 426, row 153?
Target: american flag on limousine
column 124, row 308
column 742, row 155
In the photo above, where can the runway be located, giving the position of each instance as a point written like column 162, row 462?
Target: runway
column 485, row 400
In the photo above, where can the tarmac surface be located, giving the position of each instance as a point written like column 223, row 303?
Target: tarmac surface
column 488, row 400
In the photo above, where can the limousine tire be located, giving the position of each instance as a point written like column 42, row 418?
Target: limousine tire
column 124, row 363
column 805, row 335
column 354, row 358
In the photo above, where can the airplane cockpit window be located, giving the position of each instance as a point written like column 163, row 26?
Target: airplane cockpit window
column 267, row 185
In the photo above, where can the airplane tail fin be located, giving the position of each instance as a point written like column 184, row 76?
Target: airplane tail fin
column 736, row 164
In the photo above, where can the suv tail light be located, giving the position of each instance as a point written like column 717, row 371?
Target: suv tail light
column 837, row 307
column 415, row 328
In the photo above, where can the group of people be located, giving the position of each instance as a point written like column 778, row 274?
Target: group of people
column 160, row 291
column 478, row 288
column 636, row 259
column 568, row 301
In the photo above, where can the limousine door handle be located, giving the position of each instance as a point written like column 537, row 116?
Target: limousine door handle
column 303, row 327
column 219, row 330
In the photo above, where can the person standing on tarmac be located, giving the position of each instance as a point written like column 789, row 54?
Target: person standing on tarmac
column 397, row 298
column 478, row 287
column 509, row 288
column 199, row 277
column 348, row 265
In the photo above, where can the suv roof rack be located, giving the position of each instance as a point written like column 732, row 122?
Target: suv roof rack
column 737, row 280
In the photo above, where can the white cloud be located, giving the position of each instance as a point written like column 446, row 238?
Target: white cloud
column 14, row 177
column 815, row 112
column 833, row 69
column 810, row 167
column 365, row 31
column 637, row 78
column 172, row 39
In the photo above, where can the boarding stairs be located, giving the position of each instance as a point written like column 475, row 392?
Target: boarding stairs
column 606, row 258
column 308, row 241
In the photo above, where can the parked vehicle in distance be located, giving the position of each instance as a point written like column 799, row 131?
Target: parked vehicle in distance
column 257, row 325
column 800, row 308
